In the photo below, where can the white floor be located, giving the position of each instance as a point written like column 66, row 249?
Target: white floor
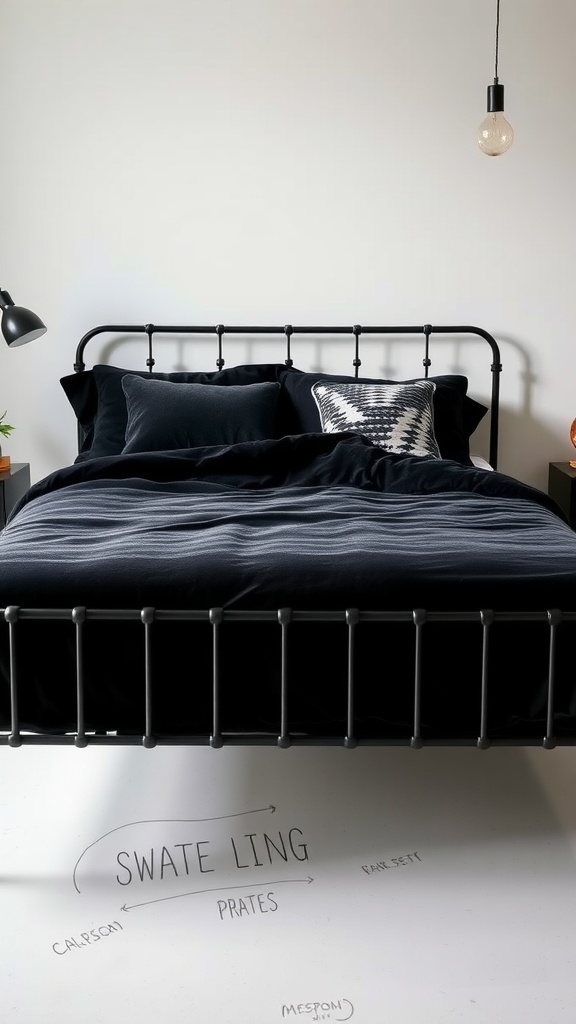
column 387, row 886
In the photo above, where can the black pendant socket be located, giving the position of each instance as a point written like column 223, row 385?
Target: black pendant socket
column 495, row 97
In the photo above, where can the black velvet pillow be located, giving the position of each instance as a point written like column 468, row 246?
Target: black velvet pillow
column 99, row 402
column 163, row 415
column 456, row 416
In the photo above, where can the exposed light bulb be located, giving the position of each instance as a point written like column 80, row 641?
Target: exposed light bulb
column 495, row 134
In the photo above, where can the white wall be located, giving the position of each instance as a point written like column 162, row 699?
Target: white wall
column 289, row 161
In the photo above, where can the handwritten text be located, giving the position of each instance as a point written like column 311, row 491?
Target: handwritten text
column 395, row 862
column 86, row 938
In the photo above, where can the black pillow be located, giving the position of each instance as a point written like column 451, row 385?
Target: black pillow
column 473, row 413
column 163, row 415
column 456, row 416
column 99, row 402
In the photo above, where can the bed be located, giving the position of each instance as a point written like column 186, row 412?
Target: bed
column 263, row 554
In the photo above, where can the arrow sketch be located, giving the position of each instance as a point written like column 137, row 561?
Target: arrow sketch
column 157, row 821
column 218, row 888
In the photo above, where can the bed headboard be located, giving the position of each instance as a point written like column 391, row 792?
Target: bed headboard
column 354, row 332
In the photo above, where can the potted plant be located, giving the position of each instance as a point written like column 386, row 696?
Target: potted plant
column 5, row 431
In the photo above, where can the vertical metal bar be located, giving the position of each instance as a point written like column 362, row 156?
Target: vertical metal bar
column 496, row 369
column 554, row 620
column 419, row 618
column 427, row 362
column 284, row 617
column 149, row 329
column 78, row 618
column 352, row 618
column 486, row 618
column 147, row 618
column 220, row 359
column 288, row 331
column 356, row 362
column 11, row 614
column 215, row 616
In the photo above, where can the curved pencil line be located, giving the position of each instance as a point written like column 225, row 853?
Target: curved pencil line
column 351, row 1014
column 156, row 821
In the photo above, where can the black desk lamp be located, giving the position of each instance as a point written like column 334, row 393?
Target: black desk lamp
column 19, row 325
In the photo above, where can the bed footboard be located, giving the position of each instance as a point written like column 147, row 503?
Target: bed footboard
column 503, row 650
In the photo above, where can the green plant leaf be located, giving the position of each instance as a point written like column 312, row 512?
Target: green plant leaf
column 5, row 428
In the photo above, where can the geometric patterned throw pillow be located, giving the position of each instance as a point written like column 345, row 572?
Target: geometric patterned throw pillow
column 396, row 417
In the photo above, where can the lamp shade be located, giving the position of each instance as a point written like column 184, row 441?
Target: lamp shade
column 19, row 325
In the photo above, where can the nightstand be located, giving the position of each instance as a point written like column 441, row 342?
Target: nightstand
column 562, row 487
column 14, row 482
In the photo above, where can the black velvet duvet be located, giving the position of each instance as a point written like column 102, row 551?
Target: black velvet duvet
column 307, row 522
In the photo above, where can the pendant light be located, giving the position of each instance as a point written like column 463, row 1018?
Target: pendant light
column 495, row 135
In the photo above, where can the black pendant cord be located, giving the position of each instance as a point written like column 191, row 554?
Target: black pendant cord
column 495, row 92
column 497, row 34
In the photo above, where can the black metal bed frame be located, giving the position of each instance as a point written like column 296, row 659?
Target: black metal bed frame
column 285, row 617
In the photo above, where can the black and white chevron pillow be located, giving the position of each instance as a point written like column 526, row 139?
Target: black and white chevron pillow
column 397, row 417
